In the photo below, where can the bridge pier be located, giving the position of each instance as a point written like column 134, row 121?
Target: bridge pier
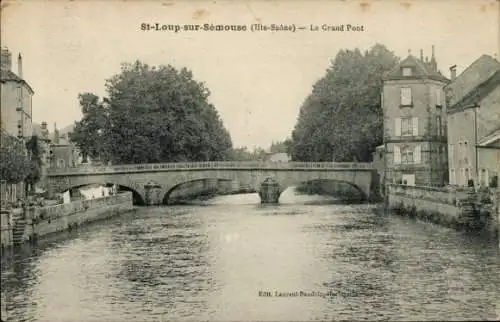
column 269, row 191
column 153, row 194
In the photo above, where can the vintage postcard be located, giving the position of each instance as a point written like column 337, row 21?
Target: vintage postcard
column 250, row 160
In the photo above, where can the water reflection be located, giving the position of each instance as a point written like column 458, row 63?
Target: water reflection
column 210, row 262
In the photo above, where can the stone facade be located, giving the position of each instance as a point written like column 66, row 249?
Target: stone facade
column 414, row 107
column 169, row 179
column 474, row 124
column 458, row 208
column 16, row 98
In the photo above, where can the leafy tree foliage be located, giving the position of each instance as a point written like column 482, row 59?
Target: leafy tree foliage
column 342, row 120
column 152, row 114
column 281, row 146
column 35, row 152
column 243, row 154
column 88, row 133
column 14, row 165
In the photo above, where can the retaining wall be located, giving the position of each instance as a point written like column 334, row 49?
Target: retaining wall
column 447, row 206
column 44, row 221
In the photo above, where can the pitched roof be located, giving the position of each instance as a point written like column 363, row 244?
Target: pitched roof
column 7, row 75
column 490, row 138
column 477, row 94
column 474, row 75
column 420, row 69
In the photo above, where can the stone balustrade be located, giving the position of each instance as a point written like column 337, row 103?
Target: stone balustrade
column 82, row 169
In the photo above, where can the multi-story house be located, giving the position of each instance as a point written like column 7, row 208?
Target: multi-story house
column 16, row 98
column 63, row 153
column 474, row 123
column 414, row 107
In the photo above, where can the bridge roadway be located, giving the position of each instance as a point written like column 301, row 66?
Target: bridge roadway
column 153, row 183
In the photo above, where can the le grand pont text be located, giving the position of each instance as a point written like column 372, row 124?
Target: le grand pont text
column 253, row 27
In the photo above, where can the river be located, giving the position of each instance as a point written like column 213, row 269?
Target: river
column 231, row 259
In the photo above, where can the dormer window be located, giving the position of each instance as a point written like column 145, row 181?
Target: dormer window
column 406, row 71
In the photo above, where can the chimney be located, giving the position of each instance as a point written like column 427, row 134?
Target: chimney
column 421, row 54
column 6, row 59
column 20, row 66
column 433, row 60
column 44, row 125
column 453, row 72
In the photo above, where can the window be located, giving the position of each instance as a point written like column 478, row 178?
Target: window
column 61, row 163
column 443, row 155
column 406, row 99
column 451, row 151
column 406, row 126
column 397, row 155
column 406, row 71
column 439, row 126
column 452, row 176
column 406, row 155
column 438, row 97
column 483, row 177
column 465, row 153
column 416, row 154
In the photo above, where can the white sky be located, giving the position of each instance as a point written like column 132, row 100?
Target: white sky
column 258, row 80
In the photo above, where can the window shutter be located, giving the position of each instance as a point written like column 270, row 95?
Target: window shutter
column 397, row 155
column 416, row 154
column 451, row 155
column 438, row 96
column 415, row 126
column 397, row 126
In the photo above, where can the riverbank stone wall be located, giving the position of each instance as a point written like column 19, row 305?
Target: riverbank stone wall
column 37, row 222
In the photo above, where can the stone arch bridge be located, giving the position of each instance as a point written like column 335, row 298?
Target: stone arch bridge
column 152, row 182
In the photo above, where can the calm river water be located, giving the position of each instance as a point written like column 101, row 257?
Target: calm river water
column 218, row 262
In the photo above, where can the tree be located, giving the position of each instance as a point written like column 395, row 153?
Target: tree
column 280, row 146
column 341, row 120
column 14, row 165
column 152, row 114
column 88, row 133
column 243, row 154
column 35, row 162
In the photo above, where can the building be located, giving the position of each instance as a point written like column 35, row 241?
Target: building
column 474, row 124
column 277, row 157
column 16, row 98
column 63, row 153
column 414, row 107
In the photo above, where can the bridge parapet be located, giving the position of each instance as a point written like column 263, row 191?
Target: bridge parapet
column 126, row 168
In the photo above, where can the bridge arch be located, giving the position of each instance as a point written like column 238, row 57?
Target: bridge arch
column 362, row 194
column 137, row 191
column 167, row 194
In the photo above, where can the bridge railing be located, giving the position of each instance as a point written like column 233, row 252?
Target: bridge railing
column 211, row 165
